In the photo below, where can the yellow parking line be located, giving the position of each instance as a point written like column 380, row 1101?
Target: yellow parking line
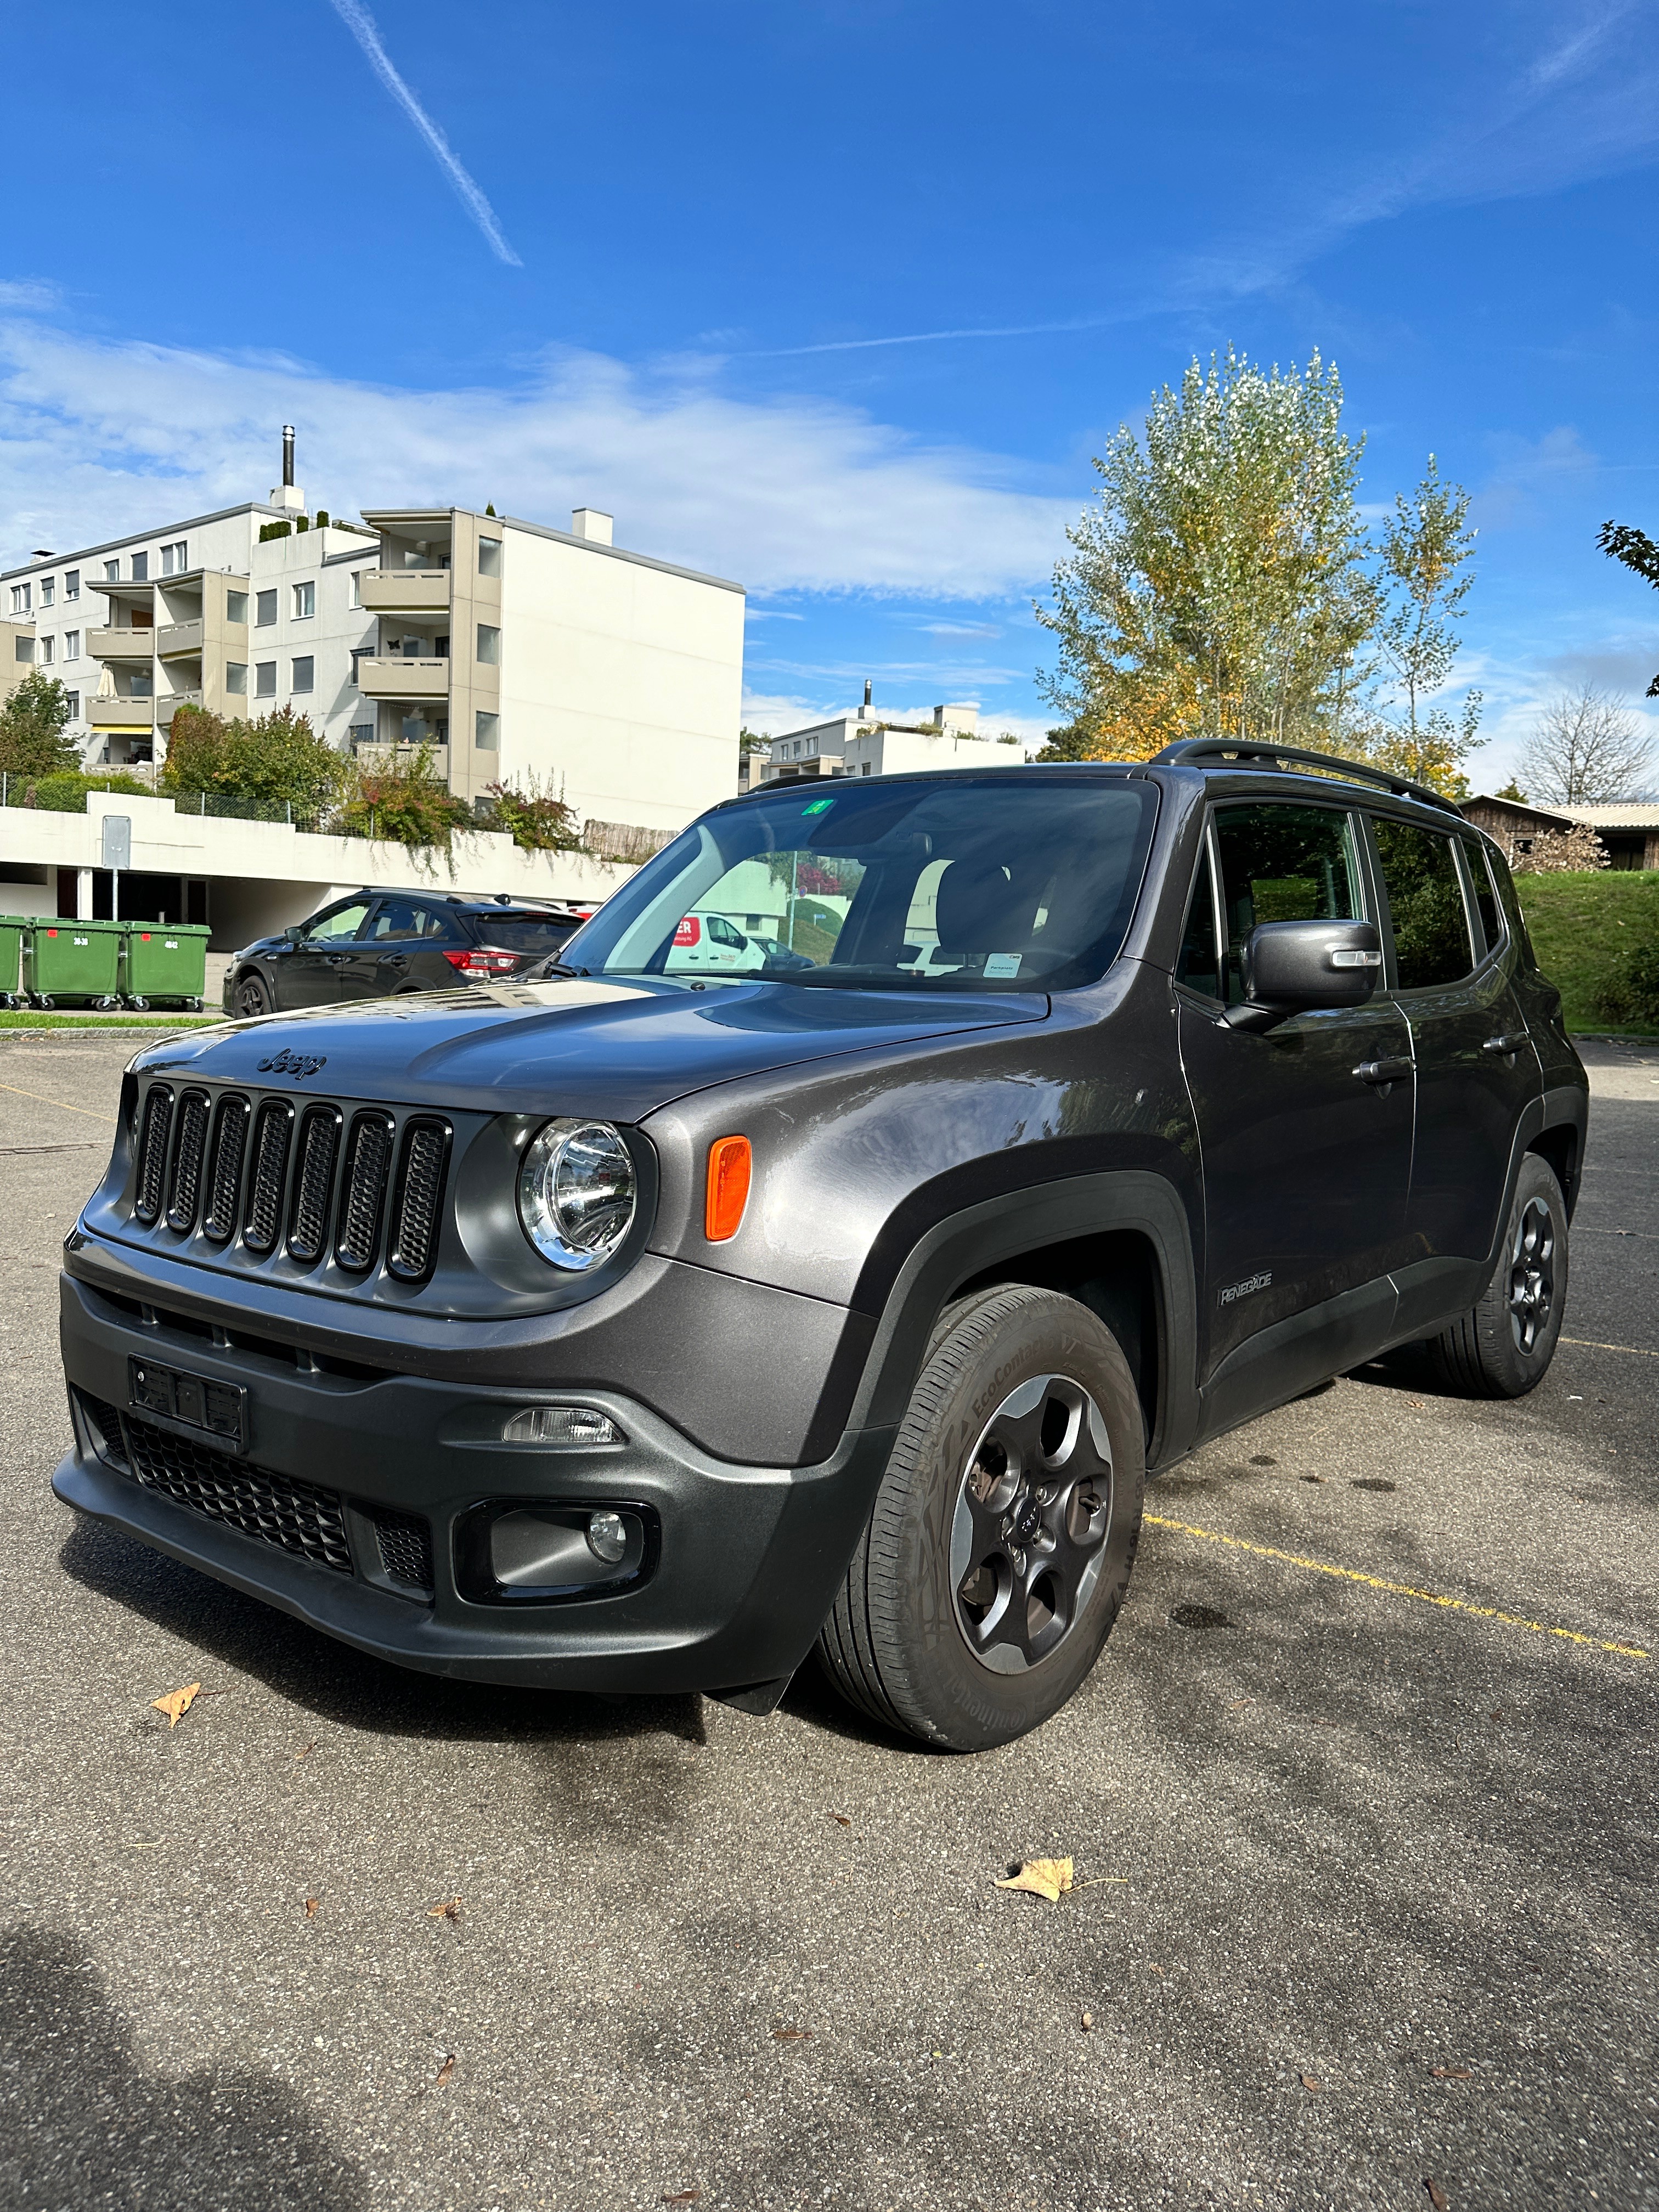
column 1589, row 1343
column 41, row 1099
column 1398, row 1589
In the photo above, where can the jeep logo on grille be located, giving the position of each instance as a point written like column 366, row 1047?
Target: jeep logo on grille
column 296, row 1064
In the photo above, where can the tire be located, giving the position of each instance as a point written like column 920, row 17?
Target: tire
column 961, row 1655
column 106, row 1004
column 252, row 997
column 42, row 1001
column 1503, row 1347
column 139, row 1005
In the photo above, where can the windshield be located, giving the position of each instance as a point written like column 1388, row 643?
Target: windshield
column 982, row 881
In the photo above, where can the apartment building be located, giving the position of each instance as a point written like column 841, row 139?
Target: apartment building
column 518, row 653
column 864, row 744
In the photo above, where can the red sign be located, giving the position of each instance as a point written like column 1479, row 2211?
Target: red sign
column 51, row 933
column 689, row 931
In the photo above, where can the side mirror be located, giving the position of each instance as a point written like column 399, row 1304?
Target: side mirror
column 1303, row 967
column 294, row 934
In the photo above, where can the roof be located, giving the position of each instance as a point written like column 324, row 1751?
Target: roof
column 191, row 522
column 1621, row 814
column 1522, row 809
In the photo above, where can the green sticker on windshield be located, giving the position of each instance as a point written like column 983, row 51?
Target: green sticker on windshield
column 818, row 806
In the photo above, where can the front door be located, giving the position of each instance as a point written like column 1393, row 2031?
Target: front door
column 1305, row 1130
column 315, row 972
column 1477, row 1071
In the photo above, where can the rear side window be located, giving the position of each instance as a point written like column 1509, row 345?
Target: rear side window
column 1485, row 896
column 1431, row 922
column 1282, row 863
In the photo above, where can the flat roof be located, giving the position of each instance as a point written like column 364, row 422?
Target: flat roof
column 91, row 552
column 393, row 518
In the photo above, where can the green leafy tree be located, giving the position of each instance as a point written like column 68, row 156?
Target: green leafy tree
column 406, row 802
column 1217, row 586
column 1636, row 550
column 1424, row 574
column 32, row 723
column 1512, row 790
column 278, row 760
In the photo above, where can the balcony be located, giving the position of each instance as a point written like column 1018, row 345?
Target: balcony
column 176, row 641
column 389, row 676
column 170, row 702
column 122, row 713
column 122, row 644
column 404, row 591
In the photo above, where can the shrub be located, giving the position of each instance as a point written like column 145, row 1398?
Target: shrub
column 269, row 530
column 534, row 818
column 1628, row 993
column 279, row 760
column 64, row 791
column 407, row 803
column 32, row 726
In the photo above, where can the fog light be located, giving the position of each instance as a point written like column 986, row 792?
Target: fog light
column 561, row 1428
column 607, row 1536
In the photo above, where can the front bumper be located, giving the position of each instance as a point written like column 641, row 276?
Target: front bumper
column 747, row 1562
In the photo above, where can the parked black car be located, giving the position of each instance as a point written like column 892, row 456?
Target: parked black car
column 376, row 944
column 643, row 1330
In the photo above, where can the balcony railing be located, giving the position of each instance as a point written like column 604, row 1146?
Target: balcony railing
column 177, row 641
column 121, row 713
column 121, row 644
column 390, row 676
column 405, row 591
column 167, row 705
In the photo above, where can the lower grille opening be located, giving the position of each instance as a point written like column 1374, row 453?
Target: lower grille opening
column 106, row 1424
column 299, row 1518
column 405, row 1542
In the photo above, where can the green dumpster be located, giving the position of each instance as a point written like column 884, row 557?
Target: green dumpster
column 159, row 963
column 73, row 960
column 12, row 929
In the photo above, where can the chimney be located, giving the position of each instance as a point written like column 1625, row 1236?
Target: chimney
column 287, row 494
column 593, row 523
column 867, row 696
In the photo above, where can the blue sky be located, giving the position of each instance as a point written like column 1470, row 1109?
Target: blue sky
column 839, row 299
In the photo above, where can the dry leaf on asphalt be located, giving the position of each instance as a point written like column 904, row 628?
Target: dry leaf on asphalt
column 450, row 1909
column 440, row 2078
column 841, row 1819
column 1049, row 1878
column 177, row 1704
column 792, row 2034
column 1436, row 2195
column 683, row 2197
column 1451, row 2073
column 1087, row 2022
column 1308, row 2082
column 311, row 1907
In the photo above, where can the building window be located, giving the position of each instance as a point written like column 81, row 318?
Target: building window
column 48, row 586
column 236, row 678
column 48, row 651
column 141, row 685
column 24, row 649
column 362, row 733
column 20, row 598
column 175, row 558
column 305, row 602
column 490, row 556
column 74, row 699
column 139, row 568
column 359, row 654
column 72, row 583
column 264, row 609
column 487, row 732
column 236, row 607
column 111, row 571
column 71, row 645
column 265, row 679
column 489, row 645
column 356, row 598
column 302, row 670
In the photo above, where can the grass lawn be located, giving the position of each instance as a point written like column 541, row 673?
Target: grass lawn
column 1580, row 924
column 26, row 1018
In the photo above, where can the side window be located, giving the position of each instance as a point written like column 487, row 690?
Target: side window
column 396, row 918
column 723, row 933
column 1485, row 896
column 1431, row 940
column 1198, row 966
column 340, row 926
column 1283, row 863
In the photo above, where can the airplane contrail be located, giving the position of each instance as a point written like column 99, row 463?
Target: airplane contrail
column 360, row 24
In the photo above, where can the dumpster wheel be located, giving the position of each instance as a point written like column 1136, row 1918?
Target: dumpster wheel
column 138, row 1006
column 105, row 1005
column 40, row 1001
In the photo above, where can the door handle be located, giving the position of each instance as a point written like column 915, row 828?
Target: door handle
column 1382, row 1072
column 338, row 959
column 1509, row 1046
column 394, row 960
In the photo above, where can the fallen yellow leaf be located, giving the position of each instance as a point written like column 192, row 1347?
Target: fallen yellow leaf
column 449, row 1911
column 1049, row 1878
column 176, row 1703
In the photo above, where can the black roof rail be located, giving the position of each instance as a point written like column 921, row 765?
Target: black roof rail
column 1192, row 753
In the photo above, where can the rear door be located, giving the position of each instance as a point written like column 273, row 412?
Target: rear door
column 1448, row 966
column 1305, row 1130
column 395, row 936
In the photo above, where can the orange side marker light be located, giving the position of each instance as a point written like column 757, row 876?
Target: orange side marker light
column 730, row 1165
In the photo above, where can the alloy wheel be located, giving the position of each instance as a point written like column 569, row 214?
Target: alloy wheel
column 251, row 998
column 1029, row 1531
column 1532, row 1275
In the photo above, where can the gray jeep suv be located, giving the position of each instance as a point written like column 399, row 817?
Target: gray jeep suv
column 638, row 1328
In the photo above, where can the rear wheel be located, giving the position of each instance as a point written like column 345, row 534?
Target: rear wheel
column 252, row 999
column 1503, row 1347
column 999, row 1549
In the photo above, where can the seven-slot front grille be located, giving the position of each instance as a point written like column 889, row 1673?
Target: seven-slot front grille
column 294, row 1177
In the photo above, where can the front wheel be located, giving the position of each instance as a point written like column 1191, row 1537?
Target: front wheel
column 1503, row 1347
column 998, row 1552
column 252, row 999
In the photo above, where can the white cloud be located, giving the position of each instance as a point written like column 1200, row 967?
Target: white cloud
column 99, row 437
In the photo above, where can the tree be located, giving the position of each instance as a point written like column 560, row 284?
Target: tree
column 1584, row 748
column 1512, row 790
column 278, row 760
column 752, row 741
column 1423, row 578
column 33, row 723
column 1216, row 586
column 1623, row 542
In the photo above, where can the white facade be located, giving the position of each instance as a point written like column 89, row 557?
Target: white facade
column 863, row 744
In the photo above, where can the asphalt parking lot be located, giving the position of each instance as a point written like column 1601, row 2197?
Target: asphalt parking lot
column 1364, row 1782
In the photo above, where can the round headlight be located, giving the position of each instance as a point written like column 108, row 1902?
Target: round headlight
column 577, row 1191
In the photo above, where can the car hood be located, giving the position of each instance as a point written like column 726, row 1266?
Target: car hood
column 577, row 1045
